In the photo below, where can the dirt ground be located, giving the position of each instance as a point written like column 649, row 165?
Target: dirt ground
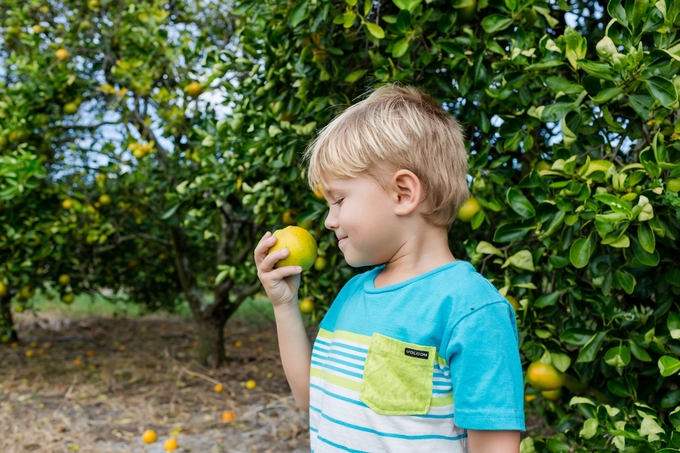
column 96, row 384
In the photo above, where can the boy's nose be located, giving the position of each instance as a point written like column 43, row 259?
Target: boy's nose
column 330, row 222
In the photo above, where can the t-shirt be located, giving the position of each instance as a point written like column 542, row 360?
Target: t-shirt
column 409, row 367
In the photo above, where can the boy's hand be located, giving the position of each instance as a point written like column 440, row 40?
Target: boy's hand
column 282, row 284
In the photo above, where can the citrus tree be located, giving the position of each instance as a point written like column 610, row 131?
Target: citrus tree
column 103, row 103
column 570, row 111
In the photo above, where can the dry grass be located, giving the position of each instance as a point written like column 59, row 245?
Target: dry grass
column 48, row 403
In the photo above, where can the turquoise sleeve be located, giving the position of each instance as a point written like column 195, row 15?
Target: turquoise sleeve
column 486, row 372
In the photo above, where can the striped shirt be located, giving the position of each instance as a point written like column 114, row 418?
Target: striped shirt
column 387, row 362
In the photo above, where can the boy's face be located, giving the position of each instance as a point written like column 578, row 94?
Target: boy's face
column 361, row 216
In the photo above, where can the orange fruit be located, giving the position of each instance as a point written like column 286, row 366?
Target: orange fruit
column 47, row 345
column 105, row 199
column 469, row 209
column 77, row 362
column 250, row 384
column 70, row 108
column 121, row 347
column 26, row 292
column 228, row 416
column 673, row 185
column 33, row 345
column 170, row 444
column 37, row 28
column 552, row 395
column 67, row 299
column 90, row 353
column 218, row 388
column 306, row 305
column 238, row 344
column 529, row 397
column 544, row 377
column 62, row 53
column 67, row 204
column 149, row 436
column 3, row 289
column 41, row 351
column 320, row 263
column 288, row 217
column 300, row 244
column 194, row 89
column 30, row 353
column 513, row 302
column 64, row 279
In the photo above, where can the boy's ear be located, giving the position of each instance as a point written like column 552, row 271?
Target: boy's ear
column 406, row 191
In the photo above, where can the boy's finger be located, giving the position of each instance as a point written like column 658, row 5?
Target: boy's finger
column 263, row 246
column 286, row 271
column 267, row 263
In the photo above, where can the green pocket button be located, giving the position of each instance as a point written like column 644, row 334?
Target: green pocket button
column 397, row 377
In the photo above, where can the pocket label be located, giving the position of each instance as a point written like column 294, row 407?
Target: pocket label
column 416, row 353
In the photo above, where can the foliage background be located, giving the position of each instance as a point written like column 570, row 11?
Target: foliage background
column 570, row 110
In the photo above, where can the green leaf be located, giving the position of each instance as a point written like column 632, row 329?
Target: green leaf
column 616, row 11
column 221, row 276
column 576, row 337
column 510, row 232
column 580, row 400
column 495, row 23
column 488, row 249
column 639, row 10
column 662, row 90
column 520, row 204
column 673, row 277
column 170, row 212
column 554, row 112
column 624, row 280
column 580, row 252
column 590, row 350
column 568, row 136
column 589, row 428
column 576, row 46
column 597, row 69
column 673, row 323
column 639, row 352
column 607, row 94
column 547, row 300
column 560, row 361
column 511, row 5
column 298, row 13
column 618, row 356
column 521, row 260
column 400, row 47
column 646, row 237
column 375, row 30
column 646, row 258
column 355, row 75
column 409, row 5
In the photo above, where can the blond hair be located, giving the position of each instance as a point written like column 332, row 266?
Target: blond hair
column 394, row 128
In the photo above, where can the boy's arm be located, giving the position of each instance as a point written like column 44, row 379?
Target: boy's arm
column 493, row 441
column 296, row 351
column 281, row 286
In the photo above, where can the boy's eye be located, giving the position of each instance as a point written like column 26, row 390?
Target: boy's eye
column 339, row 201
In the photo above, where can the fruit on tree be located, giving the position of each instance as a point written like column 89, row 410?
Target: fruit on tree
column 194, row 89
column 67, row 299
column 307, row 305
column 67, row 204
column 673, row 185
column 288, row 217
column 3, row 289
column 300, row 244
column 26, row 292
column 552, row 395
column 469, row 209
column 513, row 302
column 544, row 377
column 149, row 436
column 320, row 263
column 62, row 53
column 70, row 108
column 105, row 200
column 64, row 279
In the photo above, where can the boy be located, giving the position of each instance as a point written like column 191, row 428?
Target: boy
column 421, row 332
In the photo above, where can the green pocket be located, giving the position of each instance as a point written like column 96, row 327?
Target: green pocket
column 397, row 377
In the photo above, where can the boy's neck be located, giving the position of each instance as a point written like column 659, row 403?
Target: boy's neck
column 420, row 253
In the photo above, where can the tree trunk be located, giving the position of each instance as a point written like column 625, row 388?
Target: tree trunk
column 211, row 342
column 6, row 321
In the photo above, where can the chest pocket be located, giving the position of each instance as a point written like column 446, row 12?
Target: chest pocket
column 397, row 377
